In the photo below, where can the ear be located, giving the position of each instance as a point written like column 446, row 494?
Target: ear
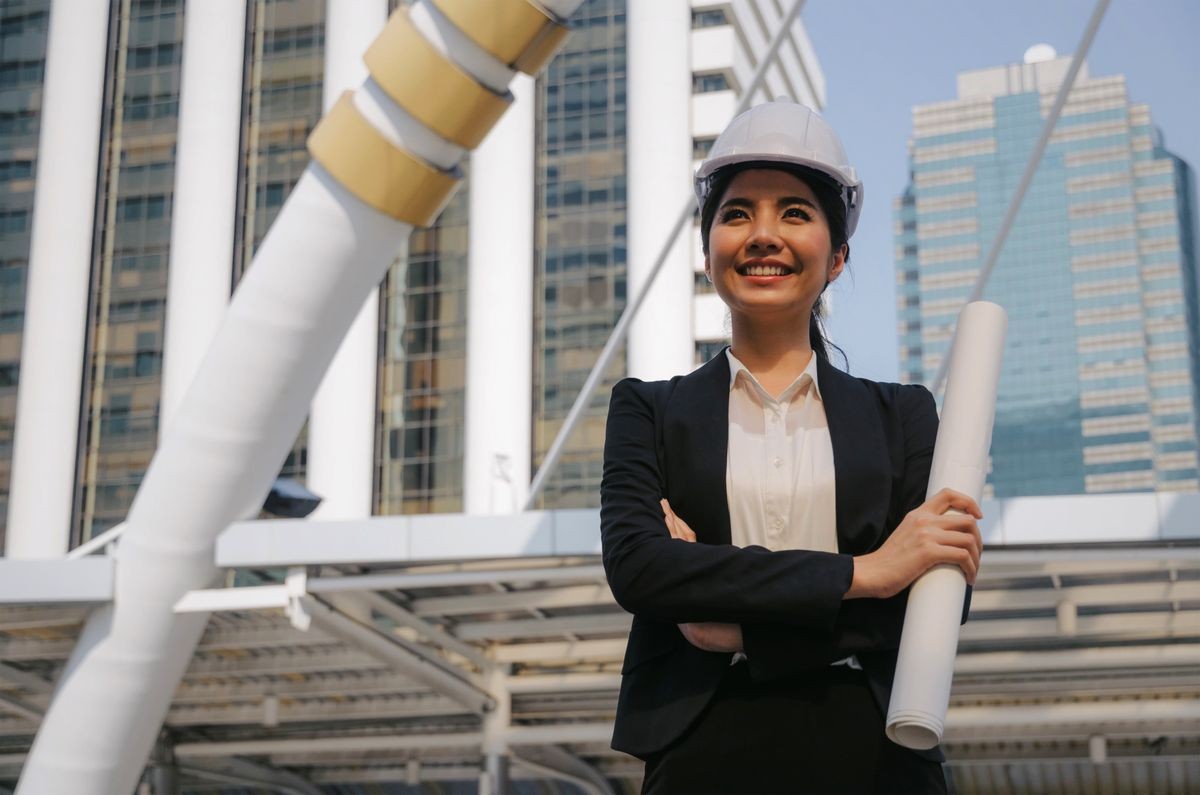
column 837, row 264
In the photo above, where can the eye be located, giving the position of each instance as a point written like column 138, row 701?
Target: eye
column 730, row 213
column 797, row 212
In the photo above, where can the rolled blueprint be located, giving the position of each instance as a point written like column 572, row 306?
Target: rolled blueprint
column 921, row 690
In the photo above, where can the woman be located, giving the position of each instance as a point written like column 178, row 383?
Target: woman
column 763, row 516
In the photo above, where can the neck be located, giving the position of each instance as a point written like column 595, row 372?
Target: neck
column 772, row 348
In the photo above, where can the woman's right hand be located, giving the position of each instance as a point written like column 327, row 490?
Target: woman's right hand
column 929, row 535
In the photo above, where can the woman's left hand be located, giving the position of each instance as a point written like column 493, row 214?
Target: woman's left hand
column 713, row 636
column 705, row 635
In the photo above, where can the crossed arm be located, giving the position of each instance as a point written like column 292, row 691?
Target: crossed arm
column 924, row 529
column 783, row 608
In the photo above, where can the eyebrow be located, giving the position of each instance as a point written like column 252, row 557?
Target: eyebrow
column 784, row 201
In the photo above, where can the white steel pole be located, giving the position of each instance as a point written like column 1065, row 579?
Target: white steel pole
column 500, row 312
column 204, row 206
column 341, row 426
column 661, row 343
column 56, row 295
column 383, row 160
column 637, row 298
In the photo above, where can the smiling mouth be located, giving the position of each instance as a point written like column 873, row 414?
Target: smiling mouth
column 764, row 270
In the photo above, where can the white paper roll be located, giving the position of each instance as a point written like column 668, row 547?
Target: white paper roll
column 925, row 666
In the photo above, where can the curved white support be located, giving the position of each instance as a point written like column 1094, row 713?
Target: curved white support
column 323, row 255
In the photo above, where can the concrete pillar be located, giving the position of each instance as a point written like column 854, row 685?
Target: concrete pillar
column 500, row 312
column 341, row 427
column 660, row 172
column 205, row 199
column 495, row 777
column 56, row 295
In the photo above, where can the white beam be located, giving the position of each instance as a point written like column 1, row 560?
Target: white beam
column 1080, row 719
column 373, row 708
column 318, row 659
column 531, row 599
column 544, row 627
column 1114, row 594
column 496, row 460
column 45, row 435
column 1113, row 625
column 350, row 683
column 204, row 204
column 86, row 580
column 559, row 683
column 659, row 166
column 24, row 679
column 574, row 650
column 24, row 618
column 330, row 745
column 436, row 635
column 451, row 579
column 341, row 426
column 408, row 658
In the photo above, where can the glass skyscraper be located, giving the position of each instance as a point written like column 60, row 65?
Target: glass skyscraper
column 1099, row 390
column 580, row 146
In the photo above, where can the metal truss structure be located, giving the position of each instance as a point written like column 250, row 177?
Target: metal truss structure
column 388, row 650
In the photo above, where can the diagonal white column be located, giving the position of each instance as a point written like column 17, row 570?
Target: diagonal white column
column 341, row 426
column 204, row 206
column 326, row 250
column 496, row 463
column 660, row 169
column 46, row 433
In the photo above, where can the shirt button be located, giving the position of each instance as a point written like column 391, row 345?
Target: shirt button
column 777, row 523
column 778, row 462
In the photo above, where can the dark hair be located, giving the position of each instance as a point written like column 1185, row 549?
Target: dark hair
column 829, row 196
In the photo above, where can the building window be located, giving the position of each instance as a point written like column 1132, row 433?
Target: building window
column 707, row 349
column 708, row 18
column 708, row 82
column 701, row 146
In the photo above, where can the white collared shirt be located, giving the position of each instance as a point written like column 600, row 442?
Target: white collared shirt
column 779, row 476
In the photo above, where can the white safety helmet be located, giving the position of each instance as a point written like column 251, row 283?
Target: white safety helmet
column 784, row 131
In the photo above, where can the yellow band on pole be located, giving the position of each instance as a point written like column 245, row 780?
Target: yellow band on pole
column 430, row 86
column 517, row 32
column 375, row 170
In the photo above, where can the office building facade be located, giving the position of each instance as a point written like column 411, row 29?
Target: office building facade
column 484, row 331
column 1099, row 390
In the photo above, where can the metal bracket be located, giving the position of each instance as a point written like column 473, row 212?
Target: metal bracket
column 296, row 587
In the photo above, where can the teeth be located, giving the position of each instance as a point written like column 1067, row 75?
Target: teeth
column 766, row 270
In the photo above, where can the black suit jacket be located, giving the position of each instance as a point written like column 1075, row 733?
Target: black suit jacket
column 670, row 439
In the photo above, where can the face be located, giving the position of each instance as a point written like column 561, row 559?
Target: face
column 769, row 251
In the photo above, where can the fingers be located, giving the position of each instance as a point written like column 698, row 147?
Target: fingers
column 946, row 499
column 678, row 528
column 962, row 549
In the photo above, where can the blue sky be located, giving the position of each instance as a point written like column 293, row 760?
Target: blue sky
column 880, row 58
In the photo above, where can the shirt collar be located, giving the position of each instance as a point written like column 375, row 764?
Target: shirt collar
column 735, row 367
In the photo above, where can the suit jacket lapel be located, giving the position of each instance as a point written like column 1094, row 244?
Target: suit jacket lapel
column 860, row 459
column 696, row 443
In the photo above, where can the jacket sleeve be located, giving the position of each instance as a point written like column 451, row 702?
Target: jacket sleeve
column 665, row 579
column 862, row 625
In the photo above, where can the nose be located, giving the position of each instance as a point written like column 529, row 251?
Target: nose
column 764, row 234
